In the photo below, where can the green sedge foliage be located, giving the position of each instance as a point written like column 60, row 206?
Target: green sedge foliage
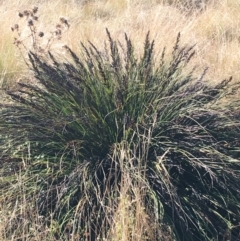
column 178, row 130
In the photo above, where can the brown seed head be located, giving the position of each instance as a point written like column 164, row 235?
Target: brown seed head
column 41, row 34
column 30, row 22
column 26, row 13
column 15, row 27
column 35, row 18
column 20, row 14
column 35, row 9
column 58, row 26
column 64, row 21
column 17, row 41
column 40, row 49
column 58, row 32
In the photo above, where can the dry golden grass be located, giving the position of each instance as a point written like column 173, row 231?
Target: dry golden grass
column 215, row 30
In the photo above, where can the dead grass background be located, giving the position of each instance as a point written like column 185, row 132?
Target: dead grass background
column 214, row 30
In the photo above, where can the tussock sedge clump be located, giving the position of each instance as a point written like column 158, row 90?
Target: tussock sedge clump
column 107, row 145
